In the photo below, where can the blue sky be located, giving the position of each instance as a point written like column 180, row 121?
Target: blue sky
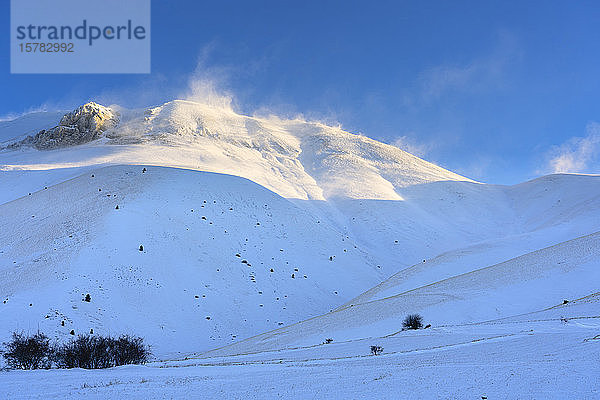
column 501, row 91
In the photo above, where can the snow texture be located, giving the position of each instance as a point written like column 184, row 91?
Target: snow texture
column 263, row 237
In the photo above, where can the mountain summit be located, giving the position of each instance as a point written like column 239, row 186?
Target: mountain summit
column 294, row 158
column 84, row 124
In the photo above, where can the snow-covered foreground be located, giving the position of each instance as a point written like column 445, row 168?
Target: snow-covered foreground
column 298, row 232
column 535, row 356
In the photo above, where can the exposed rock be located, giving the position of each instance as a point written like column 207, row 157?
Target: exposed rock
column 82, row 125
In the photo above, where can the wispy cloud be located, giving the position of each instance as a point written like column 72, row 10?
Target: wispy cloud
column 476, row 168
column 578, row 154
column 411, row 145
column 484, row 73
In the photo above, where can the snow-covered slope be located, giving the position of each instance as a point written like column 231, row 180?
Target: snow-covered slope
column 27, row 124
column 336, row 229
column 222, row 258
column 524, row 284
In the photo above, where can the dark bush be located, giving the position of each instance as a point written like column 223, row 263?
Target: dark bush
column 28, row 352
column 85, row 351
column 376, row 350
column 130, row 350
column 413, row 321
column 93, row 352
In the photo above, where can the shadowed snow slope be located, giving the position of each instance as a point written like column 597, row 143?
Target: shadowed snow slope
column 222, row 258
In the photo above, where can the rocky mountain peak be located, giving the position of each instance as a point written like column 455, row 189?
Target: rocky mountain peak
column 89, row 117
column 82, row 125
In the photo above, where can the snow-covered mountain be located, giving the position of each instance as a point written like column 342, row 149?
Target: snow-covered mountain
column 250, row 225
column 293, row 158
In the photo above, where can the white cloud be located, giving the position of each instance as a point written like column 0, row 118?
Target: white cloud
column 578, row 154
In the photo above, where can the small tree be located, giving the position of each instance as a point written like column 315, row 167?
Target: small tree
column 28, row 352
column 376, row 350
column 413, row 321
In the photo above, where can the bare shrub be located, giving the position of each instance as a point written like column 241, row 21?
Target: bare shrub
column 130, row 350
column 93, row 352
column 28, row 352
column 85, row 351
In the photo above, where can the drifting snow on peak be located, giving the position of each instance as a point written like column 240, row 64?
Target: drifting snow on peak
column 292, row 157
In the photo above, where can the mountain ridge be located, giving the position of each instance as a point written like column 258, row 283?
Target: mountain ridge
column 294, row 158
